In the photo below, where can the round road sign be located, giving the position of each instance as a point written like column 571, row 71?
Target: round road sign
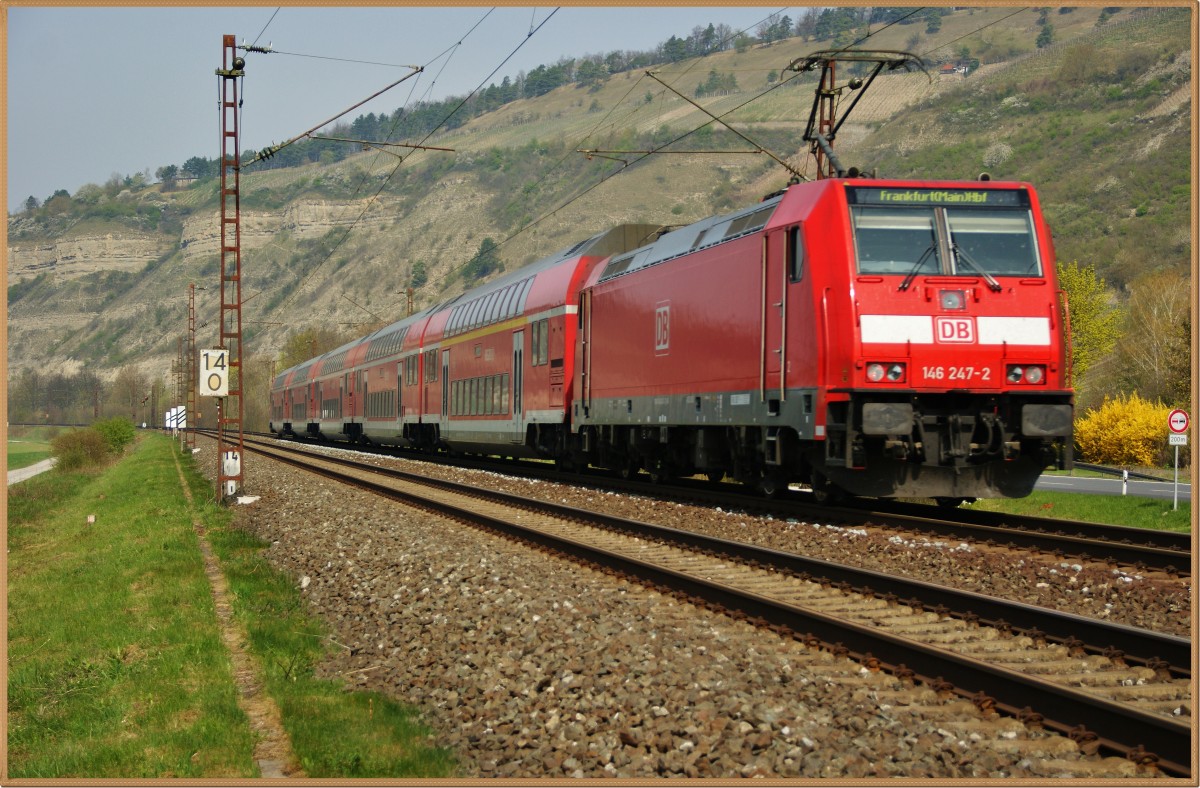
column 1178, row 421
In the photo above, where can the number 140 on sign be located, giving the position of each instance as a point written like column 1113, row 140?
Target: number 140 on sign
column 214, row 373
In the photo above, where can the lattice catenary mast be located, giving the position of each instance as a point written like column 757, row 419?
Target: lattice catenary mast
column 230, row 471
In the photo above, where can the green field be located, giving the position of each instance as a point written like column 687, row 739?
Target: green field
column 1131, row 510
column 116, row 667
column 28, row 445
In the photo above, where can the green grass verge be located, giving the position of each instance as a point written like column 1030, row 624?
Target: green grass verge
column 334, row 732
column 116, row 669
column 1130, row 510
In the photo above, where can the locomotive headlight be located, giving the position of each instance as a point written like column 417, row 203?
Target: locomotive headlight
column 953, row 299
column 875, row 372
column 1035, row 374
column 895, row 373
column 1015, row 374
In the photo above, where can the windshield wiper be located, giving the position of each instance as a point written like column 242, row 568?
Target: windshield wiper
column 958, row 253
column 908, row 280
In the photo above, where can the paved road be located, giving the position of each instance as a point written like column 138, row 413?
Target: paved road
column 21, row 474
column 1097, row 486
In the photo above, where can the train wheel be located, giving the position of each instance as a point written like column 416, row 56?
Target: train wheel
column 660, row 473
column 826, row 493
column 771, row 485
column 714, row 476
column 627, row 469
column 950, row 503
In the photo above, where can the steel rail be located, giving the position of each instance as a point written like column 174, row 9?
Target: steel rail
column 1139, row 646
column 1144, row 549
column 1077, row 714
column 1170, row 540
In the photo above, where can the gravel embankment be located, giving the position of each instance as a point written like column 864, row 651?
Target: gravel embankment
column 530, row 666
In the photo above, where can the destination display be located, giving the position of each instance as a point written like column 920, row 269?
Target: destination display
column 1006, row 198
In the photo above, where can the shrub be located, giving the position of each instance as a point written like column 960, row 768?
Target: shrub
column 79, row 449
column 118, row 432
column 1123, row 431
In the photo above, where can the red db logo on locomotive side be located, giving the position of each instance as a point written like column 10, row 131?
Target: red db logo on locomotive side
column 662, row 328
column 954, row 329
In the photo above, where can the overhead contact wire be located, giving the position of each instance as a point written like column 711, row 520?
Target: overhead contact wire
column 451, row 114
column 595, row 129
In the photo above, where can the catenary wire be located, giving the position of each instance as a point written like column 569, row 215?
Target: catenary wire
column 268, row 24
column 391, row 174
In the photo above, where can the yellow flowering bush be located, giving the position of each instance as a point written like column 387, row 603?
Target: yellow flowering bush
column 1123, row 431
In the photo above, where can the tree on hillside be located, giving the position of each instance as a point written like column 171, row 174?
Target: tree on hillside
column 704, row 39
column 485, row 261
column 167, row 175
column 933, row 21
column 200, row 167
column 307, row 343
column 806, row 25
column 675, row 49
column 1153, row 357
column 1095, row 319
column 25, row 401
column 418, row 275
column 591, row 72
column 1046, row 37
column 833, row 21
column 127, row 391
column 717, row 85
column 31, row 204
column 776, row 27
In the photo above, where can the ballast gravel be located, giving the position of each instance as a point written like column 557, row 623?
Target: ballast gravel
column 528, row 665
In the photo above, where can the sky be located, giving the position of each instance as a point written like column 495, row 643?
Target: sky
column 93, row 91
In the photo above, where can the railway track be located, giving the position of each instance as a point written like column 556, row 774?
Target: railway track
column 1106, row 686
column 1139, row 549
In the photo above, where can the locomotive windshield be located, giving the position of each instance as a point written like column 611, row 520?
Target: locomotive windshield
column 910, row 232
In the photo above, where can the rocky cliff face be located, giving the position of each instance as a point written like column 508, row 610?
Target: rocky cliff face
column 76, row 256
column 304, row 219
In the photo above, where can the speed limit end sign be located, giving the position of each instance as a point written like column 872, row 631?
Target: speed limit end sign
column 214, row 373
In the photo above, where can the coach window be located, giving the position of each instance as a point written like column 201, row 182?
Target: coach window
column 540, row 343
column 431, row 370
column 795, row 253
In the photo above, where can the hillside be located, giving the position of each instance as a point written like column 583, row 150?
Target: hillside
column 104, row 283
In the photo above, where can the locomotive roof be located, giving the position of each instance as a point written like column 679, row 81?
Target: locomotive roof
column 700, row 235
column 505, row 297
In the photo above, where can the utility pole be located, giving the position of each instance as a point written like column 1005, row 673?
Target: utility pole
column 230, row 446
column 191, row 367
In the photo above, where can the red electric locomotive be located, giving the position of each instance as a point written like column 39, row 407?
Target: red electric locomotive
column 868, row 337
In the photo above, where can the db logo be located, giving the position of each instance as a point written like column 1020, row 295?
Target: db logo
column 955, row 329
column 662, row 328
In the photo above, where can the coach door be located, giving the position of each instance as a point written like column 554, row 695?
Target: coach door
column 585, row 328
column 774, row 319
column 399, row 397
column 518, row 387
column 445, row 386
